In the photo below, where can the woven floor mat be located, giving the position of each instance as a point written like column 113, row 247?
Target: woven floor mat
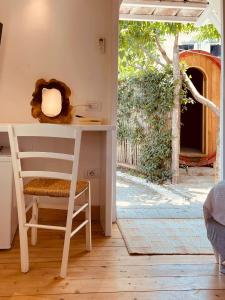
column 165, row 236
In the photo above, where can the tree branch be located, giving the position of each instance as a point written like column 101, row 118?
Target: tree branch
column 151, row 56
column 162, row 51
column 158, row 61
column 198, row 97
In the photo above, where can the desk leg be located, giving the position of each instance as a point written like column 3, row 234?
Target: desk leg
column 107, row 209
column 114, row 166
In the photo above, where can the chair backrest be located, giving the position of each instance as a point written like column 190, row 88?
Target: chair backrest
column 45, row 131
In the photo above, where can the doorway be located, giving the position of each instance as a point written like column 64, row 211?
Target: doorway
column 192, row 140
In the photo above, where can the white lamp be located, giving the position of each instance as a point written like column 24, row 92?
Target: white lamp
column 51, row 105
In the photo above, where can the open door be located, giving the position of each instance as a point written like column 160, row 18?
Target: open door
column 193, row 119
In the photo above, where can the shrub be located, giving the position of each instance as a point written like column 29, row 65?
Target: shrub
column 144, row 118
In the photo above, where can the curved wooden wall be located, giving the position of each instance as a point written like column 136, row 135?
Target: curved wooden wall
column 211, row 68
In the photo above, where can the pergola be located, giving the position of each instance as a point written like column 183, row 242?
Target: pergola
column 168, row 11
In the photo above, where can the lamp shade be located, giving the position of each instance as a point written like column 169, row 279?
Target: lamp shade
column 51, row 105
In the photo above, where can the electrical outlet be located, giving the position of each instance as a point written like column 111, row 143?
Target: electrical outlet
column 94, row 106
column 92, row 173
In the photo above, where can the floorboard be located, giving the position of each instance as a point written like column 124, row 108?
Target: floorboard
column 108, row 272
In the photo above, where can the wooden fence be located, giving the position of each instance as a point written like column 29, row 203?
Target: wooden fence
column 128, row 154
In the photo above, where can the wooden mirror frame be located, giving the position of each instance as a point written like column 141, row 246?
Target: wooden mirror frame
column 65, row 116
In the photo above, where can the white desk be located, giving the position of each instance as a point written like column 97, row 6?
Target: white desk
column 8, row 210
column 107, row 204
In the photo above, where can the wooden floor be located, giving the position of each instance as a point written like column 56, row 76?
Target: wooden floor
column 107, row 273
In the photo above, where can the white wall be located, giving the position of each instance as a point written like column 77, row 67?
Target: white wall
column 54, row 39
column 59, row 39
column 212, row 14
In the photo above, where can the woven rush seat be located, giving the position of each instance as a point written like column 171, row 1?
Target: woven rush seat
column 52, row 187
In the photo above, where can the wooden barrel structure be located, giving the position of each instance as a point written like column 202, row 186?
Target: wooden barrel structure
column 199, row 125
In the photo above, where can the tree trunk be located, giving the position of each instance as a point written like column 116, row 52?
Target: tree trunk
column 176, row 112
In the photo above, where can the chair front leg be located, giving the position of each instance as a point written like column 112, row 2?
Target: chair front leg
column 66, row 246
column 24, row 254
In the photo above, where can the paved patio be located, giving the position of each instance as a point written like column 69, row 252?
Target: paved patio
column 138, row 199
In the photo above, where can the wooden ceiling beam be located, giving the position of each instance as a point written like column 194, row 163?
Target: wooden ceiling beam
column 156, row 18
column 165, row 4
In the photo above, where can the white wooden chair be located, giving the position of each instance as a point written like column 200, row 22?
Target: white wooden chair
column 47, row 183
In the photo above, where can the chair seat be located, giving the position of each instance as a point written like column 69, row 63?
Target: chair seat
column 52, row 187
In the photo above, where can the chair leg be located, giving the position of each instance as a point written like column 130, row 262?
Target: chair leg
column 34, row 221
column 65, row 257
column 66, row 246
column 88, row 226
column 24, row 255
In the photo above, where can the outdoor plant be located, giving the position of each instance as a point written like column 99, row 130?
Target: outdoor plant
column 144, row 110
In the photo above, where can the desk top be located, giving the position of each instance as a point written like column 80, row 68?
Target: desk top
column 4, row 127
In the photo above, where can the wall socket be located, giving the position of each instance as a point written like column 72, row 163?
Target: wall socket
column 92, row 173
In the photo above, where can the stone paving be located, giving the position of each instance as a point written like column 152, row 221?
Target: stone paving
column 138, row 199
